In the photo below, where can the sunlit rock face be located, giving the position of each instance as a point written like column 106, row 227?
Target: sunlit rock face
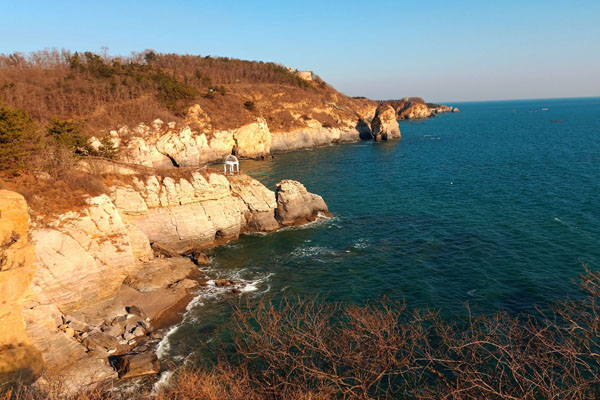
column 384, row 125
column 199, row 211
column 19, row 359
column 296, row 206
column 67, row 286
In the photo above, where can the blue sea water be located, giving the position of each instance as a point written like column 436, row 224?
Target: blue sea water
column 496, row 206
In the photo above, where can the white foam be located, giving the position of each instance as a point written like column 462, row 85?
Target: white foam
column 211, row 291
column 320, row 220
column 311, row 251
column 163, row 346
column 162, row 382
column 361, row 244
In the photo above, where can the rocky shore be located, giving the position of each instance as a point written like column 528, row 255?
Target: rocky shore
column 83, row 298
column 198, row 142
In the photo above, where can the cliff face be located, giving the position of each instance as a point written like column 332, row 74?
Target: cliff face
column 411, row 108
column 200, row 141
column 385, row 125
column 202, row 211
column 67, row 299
column 19, row 359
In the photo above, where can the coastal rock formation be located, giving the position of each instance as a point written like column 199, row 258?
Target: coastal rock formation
column 19, row 359
column 252, row 140
column 96, row 282
column 415, row 111
column 384, row 125
column 203, row 210
column 156, row 148
column 296, row 126
column 296, row 206
column 199, row 141
column 314, row 136
column 410, row 108
column 76, row 269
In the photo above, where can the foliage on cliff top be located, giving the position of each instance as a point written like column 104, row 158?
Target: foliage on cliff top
column 104, row 92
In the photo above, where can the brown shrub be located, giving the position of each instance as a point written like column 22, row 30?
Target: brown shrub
column 105, row 92
column 304, row 348
column 384, row 350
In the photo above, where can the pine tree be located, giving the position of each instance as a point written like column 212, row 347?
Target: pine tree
column 17, row 138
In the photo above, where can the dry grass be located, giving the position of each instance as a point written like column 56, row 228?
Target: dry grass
column 48, row 198
column 104, row 93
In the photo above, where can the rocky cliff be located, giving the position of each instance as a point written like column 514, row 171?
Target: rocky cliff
column 82, row 296
column 410, row 108
column 385, row 125
column 19, row 358
column 200, row 141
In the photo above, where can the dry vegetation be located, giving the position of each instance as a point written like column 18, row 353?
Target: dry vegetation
column 308, row 349
column 104, row 92
column 52, row 101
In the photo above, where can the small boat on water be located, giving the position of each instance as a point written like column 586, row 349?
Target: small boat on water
column 556, row 120
column 544, row 109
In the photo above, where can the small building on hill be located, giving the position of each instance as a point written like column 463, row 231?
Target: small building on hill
column 306, row 75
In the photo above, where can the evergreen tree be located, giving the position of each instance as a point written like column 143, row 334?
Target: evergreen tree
column 17, row 138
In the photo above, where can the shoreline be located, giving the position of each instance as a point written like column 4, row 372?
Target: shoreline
column 107, row 283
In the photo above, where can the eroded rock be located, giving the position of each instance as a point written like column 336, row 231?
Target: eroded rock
column 295, row 205
column 384, row 125
column 133, row 365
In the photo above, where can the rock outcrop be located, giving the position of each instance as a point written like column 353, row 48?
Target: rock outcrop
column 411, row 108
column 185, row 147
column 296, row 206
column 201, row 210
column 384, row 125
column 19, row 359
column 80, row 300
column 416, row 111
column 161, row 145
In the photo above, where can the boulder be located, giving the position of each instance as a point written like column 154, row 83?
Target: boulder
column 197, row 256
column 133, row 365
column 384, row 125
column 161, row 273
column 100, row 341
column 163, row 250
column 295, row 205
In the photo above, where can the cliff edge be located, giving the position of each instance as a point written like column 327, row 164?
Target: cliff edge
column 83, row 296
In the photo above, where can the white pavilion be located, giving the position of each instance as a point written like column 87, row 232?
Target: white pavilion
column 232, row 163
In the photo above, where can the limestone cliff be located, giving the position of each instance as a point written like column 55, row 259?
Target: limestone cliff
column 19, row 359
column 295, row 205
column 385, row 125
column 411, row 108
column 200, row 211
column 199, row 142
column 88, row 286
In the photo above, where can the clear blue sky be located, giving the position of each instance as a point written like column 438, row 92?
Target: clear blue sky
column 441, row 50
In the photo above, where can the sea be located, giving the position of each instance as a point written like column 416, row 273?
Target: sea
column 496, row 207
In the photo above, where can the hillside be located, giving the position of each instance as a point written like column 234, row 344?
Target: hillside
column 103, row 93
column 162, row 111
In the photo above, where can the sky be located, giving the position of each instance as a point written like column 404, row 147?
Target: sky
column 440, row 50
